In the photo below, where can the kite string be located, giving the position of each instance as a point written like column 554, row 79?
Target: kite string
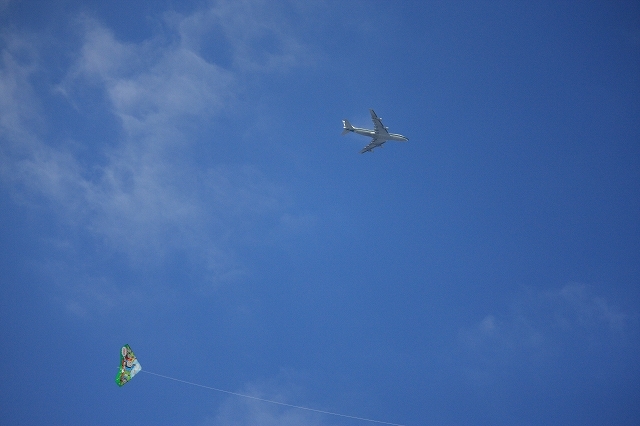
column 271, row 401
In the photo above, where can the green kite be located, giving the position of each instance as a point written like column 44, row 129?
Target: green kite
column 129, row 366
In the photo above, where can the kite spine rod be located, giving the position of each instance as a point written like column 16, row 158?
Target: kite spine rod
column 270, row 401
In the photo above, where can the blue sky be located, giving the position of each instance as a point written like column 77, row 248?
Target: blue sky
column 172, row 176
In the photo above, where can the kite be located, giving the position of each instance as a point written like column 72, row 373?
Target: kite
column 129, row 366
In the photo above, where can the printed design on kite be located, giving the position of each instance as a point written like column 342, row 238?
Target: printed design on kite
column 129, row 366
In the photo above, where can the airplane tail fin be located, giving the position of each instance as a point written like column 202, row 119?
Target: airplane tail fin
column 346, row 126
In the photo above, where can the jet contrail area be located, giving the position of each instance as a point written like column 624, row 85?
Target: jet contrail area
column 270, row 401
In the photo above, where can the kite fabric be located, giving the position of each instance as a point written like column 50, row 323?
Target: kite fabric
column 129, row 366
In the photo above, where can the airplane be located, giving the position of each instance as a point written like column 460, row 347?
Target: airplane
column 380, row 134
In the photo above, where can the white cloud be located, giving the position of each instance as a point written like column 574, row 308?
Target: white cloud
column 582, row 309
column 144, row 191
column 545, row 328
column 240, row 411
column 150, row 85
column 257, row 33
column 19, row 111
column 559, row 339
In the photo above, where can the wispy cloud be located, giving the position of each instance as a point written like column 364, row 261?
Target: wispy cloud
column 256, row 32
column 542, row 327
column 244, row 411
column 18, row 106
column 578, row 307
column 143, row 191
column 247, row 412
column 536, row 319
column 150, row 85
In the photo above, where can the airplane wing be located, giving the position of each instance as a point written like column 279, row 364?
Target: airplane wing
column 377, row 123
column 367, row 148
column 373, row 144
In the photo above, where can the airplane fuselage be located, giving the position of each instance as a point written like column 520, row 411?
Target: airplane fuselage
column 380, row 136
